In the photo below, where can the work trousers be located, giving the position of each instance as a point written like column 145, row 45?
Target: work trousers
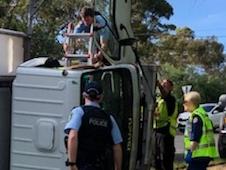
column 198, row 164
column 163, row 151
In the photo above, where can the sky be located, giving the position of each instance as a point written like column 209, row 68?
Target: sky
column 204, row 17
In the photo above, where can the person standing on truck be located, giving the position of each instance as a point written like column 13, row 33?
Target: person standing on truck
column 165, row 121
column 92, row 133
column 199, row 139
column 87, row 17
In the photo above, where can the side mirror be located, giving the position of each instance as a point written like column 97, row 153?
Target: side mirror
column 127, row 41
column 215, row 112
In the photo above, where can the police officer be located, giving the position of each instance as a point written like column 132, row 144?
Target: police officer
column 165, row 120
column 198, row 136
column 92, row 133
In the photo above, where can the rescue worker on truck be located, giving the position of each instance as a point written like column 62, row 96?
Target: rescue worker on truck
column 92, row 133
column 87, row 17
column 165, row 121
column 199, row 139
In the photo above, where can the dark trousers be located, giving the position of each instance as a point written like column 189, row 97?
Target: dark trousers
column 198, row 164
column 90, row 165
column 91, row 161
column 163, row 151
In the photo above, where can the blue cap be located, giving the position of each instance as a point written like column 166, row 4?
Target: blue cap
column 93, row 87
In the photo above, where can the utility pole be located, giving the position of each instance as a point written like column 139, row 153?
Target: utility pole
column 33, row 8
column 29, row 30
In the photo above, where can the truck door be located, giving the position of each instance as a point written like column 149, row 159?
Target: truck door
column 119, row 30
column 122, row 100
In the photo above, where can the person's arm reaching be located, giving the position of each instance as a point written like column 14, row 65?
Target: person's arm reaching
column 117, row 151
column 99, row 56
column 161, row 89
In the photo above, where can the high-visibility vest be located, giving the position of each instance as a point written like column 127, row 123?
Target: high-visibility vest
column 164, row 119
column 206, row 146
column 173, row 121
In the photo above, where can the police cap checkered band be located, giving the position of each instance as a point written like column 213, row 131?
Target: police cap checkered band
column 93, row 86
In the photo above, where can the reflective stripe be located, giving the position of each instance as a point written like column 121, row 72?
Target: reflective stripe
column 161, row 120
column 162, row 125
column 206, row 145
column 173, row 121
column 164, row 120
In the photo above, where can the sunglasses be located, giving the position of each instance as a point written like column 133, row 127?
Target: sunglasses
column 185, row 101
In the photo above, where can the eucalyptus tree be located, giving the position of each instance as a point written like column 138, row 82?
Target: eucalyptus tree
column 182, row 49
column 148, row 22
column 49, row 16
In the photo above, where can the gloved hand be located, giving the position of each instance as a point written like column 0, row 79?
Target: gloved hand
column 188, row 157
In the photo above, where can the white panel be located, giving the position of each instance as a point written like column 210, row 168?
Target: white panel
column 12, row 51
column 45, row 134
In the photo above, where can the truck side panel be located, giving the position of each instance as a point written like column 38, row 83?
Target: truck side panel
column 41, row 105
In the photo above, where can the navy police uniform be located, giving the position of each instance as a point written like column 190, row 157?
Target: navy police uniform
column 94, row 138
column 97, row 133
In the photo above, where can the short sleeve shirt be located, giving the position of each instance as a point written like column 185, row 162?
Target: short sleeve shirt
column 102, row 34
column 75, row 123
column 196, row 131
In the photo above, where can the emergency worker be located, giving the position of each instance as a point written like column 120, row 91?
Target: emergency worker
column 87, row 16
column 198, row 136
column 165, row 122
column 92, row 133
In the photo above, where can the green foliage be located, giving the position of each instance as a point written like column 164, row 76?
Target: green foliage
column 182, row 49
column 209, row 86
column 48, row 17
column 44, row 43
column 147, row 23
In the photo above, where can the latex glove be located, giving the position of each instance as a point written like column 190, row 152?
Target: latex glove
column 188, row 157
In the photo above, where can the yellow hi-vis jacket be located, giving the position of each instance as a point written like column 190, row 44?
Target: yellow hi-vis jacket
column 206, row 146
column 163, row 119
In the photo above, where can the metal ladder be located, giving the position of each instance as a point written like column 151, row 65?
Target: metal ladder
column 76, row 57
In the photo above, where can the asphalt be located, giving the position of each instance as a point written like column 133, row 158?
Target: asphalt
column 179, row 164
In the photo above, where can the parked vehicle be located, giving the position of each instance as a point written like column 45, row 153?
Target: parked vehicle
column 215, row 115
column 182, row 118
column 209, row 107
column 212, row 110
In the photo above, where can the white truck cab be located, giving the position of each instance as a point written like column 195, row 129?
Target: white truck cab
column 42, row 102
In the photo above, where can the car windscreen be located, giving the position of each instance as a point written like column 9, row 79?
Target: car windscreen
column 208, row 108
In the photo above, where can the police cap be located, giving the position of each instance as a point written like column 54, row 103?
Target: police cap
column 93, row 88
